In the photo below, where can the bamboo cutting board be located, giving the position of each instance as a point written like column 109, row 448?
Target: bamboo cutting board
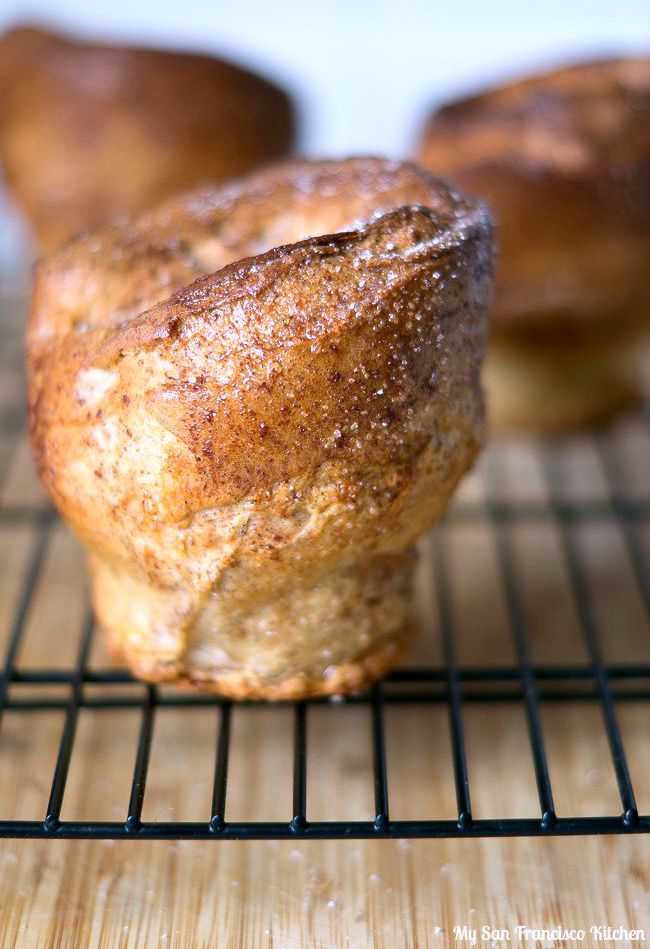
column 335, row 893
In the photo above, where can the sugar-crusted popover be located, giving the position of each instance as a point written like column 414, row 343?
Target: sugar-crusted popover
column 249, row 403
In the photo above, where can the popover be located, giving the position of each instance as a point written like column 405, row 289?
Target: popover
column 563, row 161
column 249, row 402
column 89, row 131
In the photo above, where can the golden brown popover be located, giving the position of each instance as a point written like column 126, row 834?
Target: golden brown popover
column 249, row 440
column 563, row 160
column 88, row 131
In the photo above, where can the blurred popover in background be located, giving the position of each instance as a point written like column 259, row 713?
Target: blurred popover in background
column 563, row 160
column 90, row 131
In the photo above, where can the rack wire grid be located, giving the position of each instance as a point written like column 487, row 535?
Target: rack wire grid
column 450, row 684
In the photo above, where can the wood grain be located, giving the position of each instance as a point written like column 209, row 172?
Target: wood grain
column 334, row 893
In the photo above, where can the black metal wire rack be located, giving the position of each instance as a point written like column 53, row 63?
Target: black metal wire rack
column 451, row 684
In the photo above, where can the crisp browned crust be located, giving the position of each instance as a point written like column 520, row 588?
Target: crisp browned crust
column 563, row 160
column 89, row 131
column 249, row 445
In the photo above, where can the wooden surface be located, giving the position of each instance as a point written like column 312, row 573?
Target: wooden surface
column 336, row 893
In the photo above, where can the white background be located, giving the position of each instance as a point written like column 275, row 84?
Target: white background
column 364, row 73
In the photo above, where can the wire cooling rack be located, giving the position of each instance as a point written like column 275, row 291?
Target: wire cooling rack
column 453, row 685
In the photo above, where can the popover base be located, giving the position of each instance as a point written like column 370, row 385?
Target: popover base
column 559, row 387
column 346, row 631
